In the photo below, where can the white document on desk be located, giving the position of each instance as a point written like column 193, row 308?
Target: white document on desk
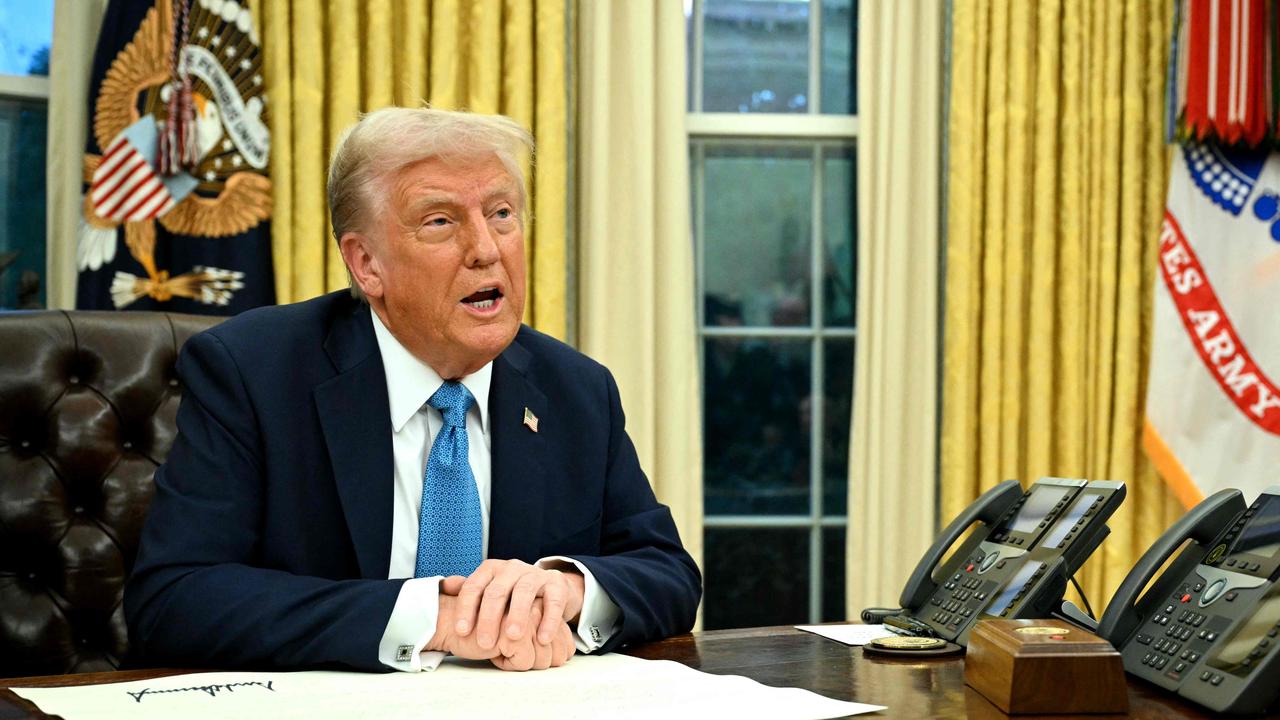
column 848, row 634
column 590, row 686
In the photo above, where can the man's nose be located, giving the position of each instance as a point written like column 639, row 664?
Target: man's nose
column 482, row 244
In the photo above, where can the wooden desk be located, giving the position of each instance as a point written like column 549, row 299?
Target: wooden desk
column 780, row 656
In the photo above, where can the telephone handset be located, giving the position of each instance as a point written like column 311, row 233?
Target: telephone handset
column 1018, row 563
column 1208, row 626
column 987, row 509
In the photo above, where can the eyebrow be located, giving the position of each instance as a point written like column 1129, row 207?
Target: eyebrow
column 508, row 189
column 433, row 199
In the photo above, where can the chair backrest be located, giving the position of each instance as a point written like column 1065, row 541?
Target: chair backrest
column 87, row 407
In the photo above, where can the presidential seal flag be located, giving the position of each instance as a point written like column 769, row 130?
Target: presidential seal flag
column 1213, row 405
column 177, row 193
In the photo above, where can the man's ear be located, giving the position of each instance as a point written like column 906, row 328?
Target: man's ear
column 365, row 269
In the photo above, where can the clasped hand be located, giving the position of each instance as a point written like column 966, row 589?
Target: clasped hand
column 511, row 613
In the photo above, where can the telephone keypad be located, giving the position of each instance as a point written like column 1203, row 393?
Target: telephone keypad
column 1178, row 649
column 1155, row 660
column 963, row 594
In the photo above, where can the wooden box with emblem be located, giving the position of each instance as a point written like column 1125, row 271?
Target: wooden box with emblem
column 1043, row 667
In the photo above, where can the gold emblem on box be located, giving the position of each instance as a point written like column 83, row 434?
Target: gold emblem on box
column 1042, row 630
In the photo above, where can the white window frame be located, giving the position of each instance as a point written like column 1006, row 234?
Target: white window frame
column 830, row 131
column 25, row 87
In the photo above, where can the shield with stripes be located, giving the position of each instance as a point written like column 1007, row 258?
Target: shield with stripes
column 126, row 186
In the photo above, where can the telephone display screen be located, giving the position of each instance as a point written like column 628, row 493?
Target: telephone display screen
column 1063, row 527
column 1262, row 535
column 1037, row 507
column 1016, row 583
column 1243, row 641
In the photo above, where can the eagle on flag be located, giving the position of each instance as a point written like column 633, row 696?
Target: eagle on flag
column 179, row 116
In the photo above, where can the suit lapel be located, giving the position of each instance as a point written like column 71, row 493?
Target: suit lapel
column 518, row 455
column 356, row 421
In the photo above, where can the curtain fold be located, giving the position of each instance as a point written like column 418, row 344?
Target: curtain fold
column 892, row 466
column 635, row 247
column 327, row 62
column 75, row 35
column 1057, row 171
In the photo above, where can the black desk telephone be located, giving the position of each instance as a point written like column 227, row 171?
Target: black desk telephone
column 1209, row 625
column 1017, row 564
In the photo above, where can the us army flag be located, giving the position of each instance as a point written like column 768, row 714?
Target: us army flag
column 1213, row 407
column 177, row 192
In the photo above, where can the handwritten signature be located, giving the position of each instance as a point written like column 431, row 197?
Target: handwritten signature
column 211, row 690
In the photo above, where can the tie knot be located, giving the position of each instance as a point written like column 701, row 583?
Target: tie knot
column 453, row 400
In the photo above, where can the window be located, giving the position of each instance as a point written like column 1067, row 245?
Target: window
column 26, row 33
column 772, row 159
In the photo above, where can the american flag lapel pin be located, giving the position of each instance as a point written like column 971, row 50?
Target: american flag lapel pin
column 530, row 420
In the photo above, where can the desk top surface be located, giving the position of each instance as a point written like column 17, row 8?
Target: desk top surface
column 779, row 656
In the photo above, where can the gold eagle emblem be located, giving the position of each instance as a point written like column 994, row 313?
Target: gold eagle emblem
column 232, row 192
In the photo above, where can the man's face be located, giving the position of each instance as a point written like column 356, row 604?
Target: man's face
column 448, row 255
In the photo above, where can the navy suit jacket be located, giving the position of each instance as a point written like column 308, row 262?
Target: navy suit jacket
column 269, row 538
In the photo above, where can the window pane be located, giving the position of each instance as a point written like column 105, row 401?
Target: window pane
column 833, row 609
column 22, row 204
column 839, row 51
column 838, row 396
column 758, row 226
column 757, row 435
column 756, row 577
column 26, row 33
column 839, row 226
column 755, row 56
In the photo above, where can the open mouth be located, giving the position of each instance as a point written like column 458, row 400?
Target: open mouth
column 483, row 299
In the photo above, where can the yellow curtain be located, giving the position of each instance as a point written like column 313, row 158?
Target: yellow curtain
column 1056, row 179
column 326, row 61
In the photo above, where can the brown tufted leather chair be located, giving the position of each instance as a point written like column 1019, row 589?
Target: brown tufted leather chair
column 87, row 405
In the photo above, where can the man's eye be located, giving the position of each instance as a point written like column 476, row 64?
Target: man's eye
column 504, row 213
column 436, row 222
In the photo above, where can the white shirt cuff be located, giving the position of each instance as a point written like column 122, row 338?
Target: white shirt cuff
column 598, row 620
column 410, row 627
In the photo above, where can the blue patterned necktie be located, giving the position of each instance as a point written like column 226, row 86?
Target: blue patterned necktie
column 449, row 518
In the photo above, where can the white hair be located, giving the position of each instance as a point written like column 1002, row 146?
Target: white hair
column 386, row 140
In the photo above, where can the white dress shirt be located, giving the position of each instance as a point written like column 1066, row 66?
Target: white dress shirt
column 414, row 425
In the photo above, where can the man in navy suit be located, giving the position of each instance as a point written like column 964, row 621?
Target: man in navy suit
column 344, row 465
